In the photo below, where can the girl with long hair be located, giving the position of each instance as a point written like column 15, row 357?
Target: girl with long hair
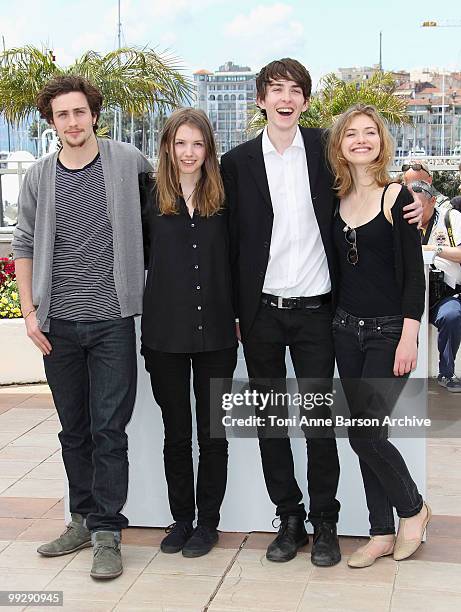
column 375, row 328
column 188, row 322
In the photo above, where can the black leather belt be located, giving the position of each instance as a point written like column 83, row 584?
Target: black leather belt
column 293, row 303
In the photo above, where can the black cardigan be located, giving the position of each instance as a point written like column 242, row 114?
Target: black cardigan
column 409, row 263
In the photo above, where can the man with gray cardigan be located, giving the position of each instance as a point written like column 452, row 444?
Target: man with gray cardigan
column 80, row 271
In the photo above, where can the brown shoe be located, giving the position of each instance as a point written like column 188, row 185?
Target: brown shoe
column 406, row 547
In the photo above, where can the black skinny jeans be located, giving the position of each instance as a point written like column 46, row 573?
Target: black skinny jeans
column 365, row 349
column 170, row 379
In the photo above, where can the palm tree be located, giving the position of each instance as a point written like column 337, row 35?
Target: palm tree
column 130, row 79
column 336, row 96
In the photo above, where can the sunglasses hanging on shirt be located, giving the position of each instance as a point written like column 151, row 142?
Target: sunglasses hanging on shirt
column 351, row 238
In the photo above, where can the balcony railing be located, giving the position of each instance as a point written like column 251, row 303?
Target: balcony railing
column 11, row 174
column 435, row 163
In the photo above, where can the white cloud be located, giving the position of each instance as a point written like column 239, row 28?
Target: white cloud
column 139, row 17
column 59, row 24
column 176, row 19
column 171, row 9
column 168, row 39
column 267, row 32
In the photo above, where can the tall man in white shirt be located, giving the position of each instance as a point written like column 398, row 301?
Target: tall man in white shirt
column 281, row 204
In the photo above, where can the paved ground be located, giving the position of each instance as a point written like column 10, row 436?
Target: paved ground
column 235, row 576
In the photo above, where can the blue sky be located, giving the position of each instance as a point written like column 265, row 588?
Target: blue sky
column 206, row 33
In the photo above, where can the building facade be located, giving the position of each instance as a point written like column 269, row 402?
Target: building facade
column 363, row 73
column 228, row 97
column 434, row 106
column 433, row 102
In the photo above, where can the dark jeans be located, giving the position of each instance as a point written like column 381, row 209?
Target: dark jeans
column 365, row 349
column 170, row 378
column 446, row 316
column 91, row 371
column 307, row 333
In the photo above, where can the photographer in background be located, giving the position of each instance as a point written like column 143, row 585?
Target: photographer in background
column 418, row 170
column 441, row 234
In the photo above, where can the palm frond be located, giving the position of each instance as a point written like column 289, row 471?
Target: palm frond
column 103, row 131
column 23, row 72
column 135, row 80
column 336, row 96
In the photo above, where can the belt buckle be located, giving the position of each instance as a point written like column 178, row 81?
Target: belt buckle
column 280, row 303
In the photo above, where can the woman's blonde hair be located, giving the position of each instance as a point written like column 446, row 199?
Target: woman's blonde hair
column 378, row 169
column 209, row 192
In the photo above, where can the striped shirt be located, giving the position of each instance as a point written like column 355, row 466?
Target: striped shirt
column 83, row 287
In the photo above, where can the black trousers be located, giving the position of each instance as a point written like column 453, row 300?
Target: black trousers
column 170, row 375
column 307, row 333
column 365, row 353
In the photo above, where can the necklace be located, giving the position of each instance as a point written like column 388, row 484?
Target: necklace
column 190, row 195
column 358, row 209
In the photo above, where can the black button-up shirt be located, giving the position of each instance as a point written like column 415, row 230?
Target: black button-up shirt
column 187, row 300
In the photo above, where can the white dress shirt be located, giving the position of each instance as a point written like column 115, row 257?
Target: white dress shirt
column 297, row 262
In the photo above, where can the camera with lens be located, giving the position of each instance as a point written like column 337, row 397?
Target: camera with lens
column 438, row 288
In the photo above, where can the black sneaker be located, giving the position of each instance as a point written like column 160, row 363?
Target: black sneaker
column 178, row 534
column 451, row 383
column 201, row 542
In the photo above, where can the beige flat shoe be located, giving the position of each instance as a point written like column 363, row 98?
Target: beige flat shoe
column 405, row 548
column 364, row 558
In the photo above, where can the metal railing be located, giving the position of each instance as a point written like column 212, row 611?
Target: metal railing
column 436, row 163
column 9, row 190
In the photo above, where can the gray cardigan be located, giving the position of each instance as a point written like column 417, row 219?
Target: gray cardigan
column 35, row 231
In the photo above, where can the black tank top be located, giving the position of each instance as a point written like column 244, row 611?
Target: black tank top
column 368, row 289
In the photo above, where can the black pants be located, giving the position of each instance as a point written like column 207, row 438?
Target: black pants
column 91, row 371
column 307, row 333
column 365, row 349
column 170, row 379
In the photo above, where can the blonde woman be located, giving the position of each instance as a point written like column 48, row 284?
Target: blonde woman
column 375, row 328
column 188, row 325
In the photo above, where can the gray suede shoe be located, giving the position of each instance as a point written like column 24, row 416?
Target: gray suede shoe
column 75, row 537
column 107, row 558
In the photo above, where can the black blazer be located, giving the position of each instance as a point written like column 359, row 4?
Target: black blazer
column 251, row 216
